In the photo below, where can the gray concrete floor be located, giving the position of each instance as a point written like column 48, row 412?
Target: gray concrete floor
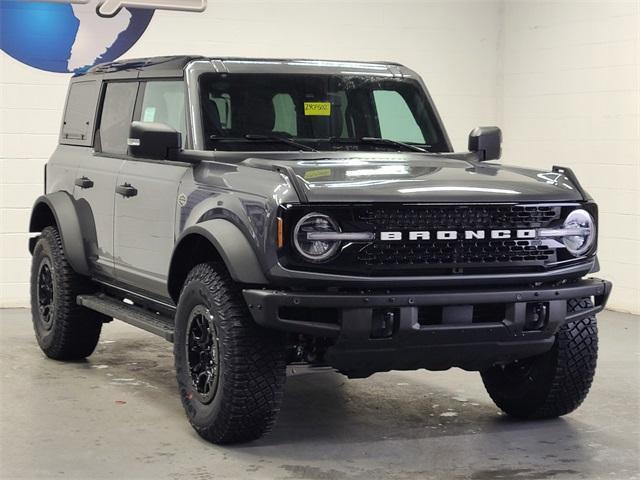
column 118, row 416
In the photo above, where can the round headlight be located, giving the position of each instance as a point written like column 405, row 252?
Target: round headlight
column 583, row 224
column 313, row 249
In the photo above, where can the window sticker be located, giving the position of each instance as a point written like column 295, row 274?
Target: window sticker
column 320, row 173
column 149, row 114
column 317, row 109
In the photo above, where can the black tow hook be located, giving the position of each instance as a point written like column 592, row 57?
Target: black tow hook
column 384, row 322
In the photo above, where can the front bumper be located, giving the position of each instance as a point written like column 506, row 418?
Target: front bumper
column 428, row 329
column 297, row 278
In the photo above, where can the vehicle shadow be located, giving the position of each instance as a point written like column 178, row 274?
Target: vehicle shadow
column 328, row 407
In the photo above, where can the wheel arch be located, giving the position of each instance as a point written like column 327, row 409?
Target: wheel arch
column 213, row 240
column 58, row 210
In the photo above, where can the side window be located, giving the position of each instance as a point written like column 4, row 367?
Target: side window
column 165, row 102
column 286, row 118
column 395, row 118
column 77, row 124
column 117, row 114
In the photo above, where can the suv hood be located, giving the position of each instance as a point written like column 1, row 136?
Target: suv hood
column 420, row 178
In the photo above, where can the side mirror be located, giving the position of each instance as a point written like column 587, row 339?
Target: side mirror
column 157, row 141
column 486, row 142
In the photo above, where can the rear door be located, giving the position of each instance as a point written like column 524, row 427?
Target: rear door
column 97, row 174
column 145, row 210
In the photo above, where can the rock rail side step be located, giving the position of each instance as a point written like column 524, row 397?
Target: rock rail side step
column 138, row 317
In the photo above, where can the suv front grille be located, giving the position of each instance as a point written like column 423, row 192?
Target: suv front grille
column 434, row 256
column 456, row 252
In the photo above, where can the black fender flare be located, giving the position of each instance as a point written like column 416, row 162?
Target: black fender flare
column 232, row 246
column 62, row 207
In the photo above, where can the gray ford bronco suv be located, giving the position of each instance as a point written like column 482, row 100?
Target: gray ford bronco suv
column 274, row 215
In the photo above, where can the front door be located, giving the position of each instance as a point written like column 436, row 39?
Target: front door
column 145, row 223
column 147, row 196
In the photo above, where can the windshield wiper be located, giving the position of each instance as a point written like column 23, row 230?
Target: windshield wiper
column 379, row 141
column 387, row 141
column 276, row 138
column 264, row 138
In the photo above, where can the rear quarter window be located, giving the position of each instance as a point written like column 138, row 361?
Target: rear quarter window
column 80, row 114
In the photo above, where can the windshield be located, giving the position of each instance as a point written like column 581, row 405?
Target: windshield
column 244, row 112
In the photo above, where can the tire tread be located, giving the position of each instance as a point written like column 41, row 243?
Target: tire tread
column 76, row 329
column 569, row 372
column 254, row 361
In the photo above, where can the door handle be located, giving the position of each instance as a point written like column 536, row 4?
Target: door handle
column 126, row 190
column 84, row 182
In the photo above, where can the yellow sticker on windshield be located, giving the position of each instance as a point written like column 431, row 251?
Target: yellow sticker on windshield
column 322, row 172
column 317, row 109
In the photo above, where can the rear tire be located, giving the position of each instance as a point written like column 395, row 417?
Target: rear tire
column 554, row 383
column 64, row 330
column 230, row 372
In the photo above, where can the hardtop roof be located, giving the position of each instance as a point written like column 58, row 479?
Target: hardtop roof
column 174, row 66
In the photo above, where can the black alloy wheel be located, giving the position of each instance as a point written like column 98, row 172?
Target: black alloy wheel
column 46, row 307
column 203, row 353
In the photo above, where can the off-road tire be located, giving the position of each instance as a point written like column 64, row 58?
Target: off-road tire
column 71, row 332
column 251, row 369
column 555, row 383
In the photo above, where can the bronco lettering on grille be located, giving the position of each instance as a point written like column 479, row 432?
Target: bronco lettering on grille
column 458, row 235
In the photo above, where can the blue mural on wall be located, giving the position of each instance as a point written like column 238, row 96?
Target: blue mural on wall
column 70, row 36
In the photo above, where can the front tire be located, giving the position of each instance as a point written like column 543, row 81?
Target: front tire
column 230, row 372
column 554, row 383
column 64, row 330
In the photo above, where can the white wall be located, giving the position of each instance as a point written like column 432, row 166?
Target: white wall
column 571, row 97
column 438, row 39
column 458, row 46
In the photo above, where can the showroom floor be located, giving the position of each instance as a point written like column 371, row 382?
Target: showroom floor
column 118, row 416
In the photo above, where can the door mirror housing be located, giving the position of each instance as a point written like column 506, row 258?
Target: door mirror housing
column 486, row 142
column 157, row 141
